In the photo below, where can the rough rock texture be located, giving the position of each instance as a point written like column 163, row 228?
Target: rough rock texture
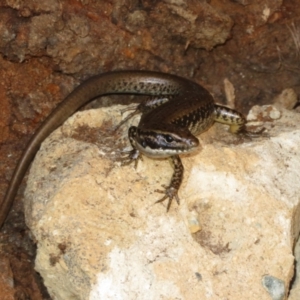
column 6, row 279
column 17, row 281
column 48, row 47
column 82, row 37
column 100, row 236
column 295, row 290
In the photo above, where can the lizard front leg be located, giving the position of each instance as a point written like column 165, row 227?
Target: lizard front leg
column 133, row 155
column 171, row 191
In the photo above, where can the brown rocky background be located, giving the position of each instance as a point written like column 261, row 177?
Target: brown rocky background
column 48, row 47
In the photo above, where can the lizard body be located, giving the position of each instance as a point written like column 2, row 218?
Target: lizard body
column 179, row 110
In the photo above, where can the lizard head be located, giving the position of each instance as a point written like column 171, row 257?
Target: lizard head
column 163, row 142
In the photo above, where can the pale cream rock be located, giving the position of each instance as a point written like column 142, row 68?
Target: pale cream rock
column 286, row 99
column 260, row 114
column 100, row 236
column 229, row 93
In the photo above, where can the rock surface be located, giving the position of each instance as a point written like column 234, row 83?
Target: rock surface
column 49, row 47
column 100, row 236
column 6, row 279
column 295, row 289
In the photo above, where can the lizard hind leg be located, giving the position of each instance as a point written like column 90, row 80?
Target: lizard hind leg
column 235, row 120
column 136, row 111
column 144, row 107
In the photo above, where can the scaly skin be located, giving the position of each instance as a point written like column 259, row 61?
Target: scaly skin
column 166, row 129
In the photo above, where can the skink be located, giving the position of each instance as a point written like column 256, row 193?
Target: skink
column 177, row 111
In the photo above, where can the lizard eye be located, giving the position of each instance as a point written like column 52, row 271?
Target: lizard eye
column 169, row 138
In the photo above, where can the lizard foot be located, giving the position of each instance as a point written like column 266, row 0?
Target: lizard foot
column 131, row 156
column 170, row 193
column 244, row 132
